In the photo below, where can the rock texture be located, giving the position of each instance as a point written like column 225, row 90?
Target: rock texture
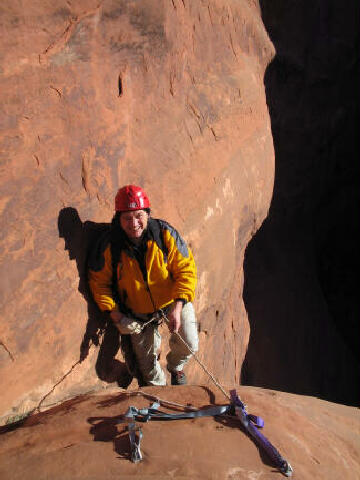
column 81, row 439
column 302, row 262
column 165, row 94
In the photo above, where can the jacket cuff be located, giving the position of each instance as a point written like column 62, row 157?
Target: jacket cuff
column 181, row 300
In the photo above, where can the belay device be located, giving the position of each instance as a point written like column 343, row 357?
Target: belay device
column 236, row 408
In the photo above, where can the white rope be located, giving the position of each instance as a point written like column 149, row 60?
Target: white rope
column 155, row 318
column 197, row 359
column 160, row 400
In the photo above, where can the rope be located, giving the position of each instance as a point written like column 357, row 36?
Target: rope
column 153, row 319
column 197, row 359
column 160, row 400
column 163, row 315
column 37, row 408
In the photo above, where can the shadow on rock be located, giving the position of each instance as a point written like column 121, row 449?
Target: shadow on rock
column 80, row 238
column 32, row 419
column 104, row 429
column 300, row 274
column 210, row 393
column 113, row 400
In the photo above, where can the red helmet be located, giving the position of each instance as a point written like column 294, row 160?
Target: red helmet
column 131, row 197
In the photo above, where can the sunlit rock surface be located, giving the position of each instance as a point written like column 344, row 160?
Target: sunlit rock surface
column 83, row 439
column 168, row 95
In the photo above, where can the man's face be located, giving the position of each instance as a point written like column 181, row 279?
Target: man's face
column 134, row 223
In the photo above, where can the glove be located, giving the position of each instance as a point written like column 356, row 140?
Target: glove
column 128, row 326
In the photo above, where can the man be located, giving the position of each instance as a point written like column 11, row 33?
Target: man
column 147, row 266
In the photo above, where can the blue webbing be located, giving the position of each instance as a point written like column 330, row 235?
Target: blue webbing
column 251, row 424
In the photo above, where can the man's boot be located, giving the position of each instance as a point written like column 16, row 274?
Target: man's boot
column 178, row 378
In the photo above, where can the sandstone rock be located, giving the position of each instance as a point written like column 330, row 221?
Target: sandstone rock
column 81, row 439
column 168, row 95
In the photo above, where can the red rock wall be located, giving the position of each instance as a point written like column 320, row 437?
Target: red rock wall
column 168, row 95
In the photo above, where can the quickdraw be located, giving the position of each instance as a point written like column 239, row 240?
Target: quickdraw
column 236, row 408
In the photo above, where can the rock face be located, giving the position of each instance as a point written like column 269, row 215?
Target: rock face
column 168, row 95
column 301, row 263
column 83, row 439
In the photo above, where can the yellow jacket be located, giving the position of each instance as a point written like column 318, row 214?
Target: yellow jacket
column 170, row 273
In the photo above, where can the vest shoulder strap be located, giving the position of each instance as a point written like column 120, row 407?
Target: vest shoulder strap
column 156, row 233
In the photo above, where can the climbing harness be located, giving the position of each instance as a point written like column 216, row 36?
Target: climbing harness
column 145, row 414
column 236, row 408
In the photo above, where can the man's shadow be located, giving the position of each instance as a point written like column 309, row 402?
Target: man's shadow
column 80, row 237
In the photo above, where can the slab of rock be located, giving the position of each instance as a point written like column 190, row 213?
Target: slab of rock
column 81, row 439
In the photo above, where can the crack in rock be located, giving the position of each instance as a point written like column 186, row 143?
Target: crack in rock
column 65, row 36
column 8, row 351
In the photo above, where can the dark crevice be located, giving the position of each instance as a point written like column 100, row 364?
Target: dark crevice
column 300, row 287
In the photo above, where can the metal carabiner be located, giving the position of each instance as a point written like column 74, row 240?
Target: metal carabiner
column 135, row 440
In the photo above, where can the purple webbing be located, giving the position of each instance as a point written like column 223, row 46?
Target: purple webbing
column 251, row 424
column 257, row 421
column 272, row 452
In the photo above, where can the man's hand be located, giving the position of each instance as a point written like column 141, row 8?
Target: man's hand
column 125, row 325
column 174, row 316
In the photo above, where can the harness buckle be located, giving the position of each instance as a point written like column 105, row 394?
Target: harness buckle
column 287, row 469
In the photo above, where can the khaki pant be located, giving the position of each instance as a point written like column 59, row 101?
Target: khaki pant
column 147, row 343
